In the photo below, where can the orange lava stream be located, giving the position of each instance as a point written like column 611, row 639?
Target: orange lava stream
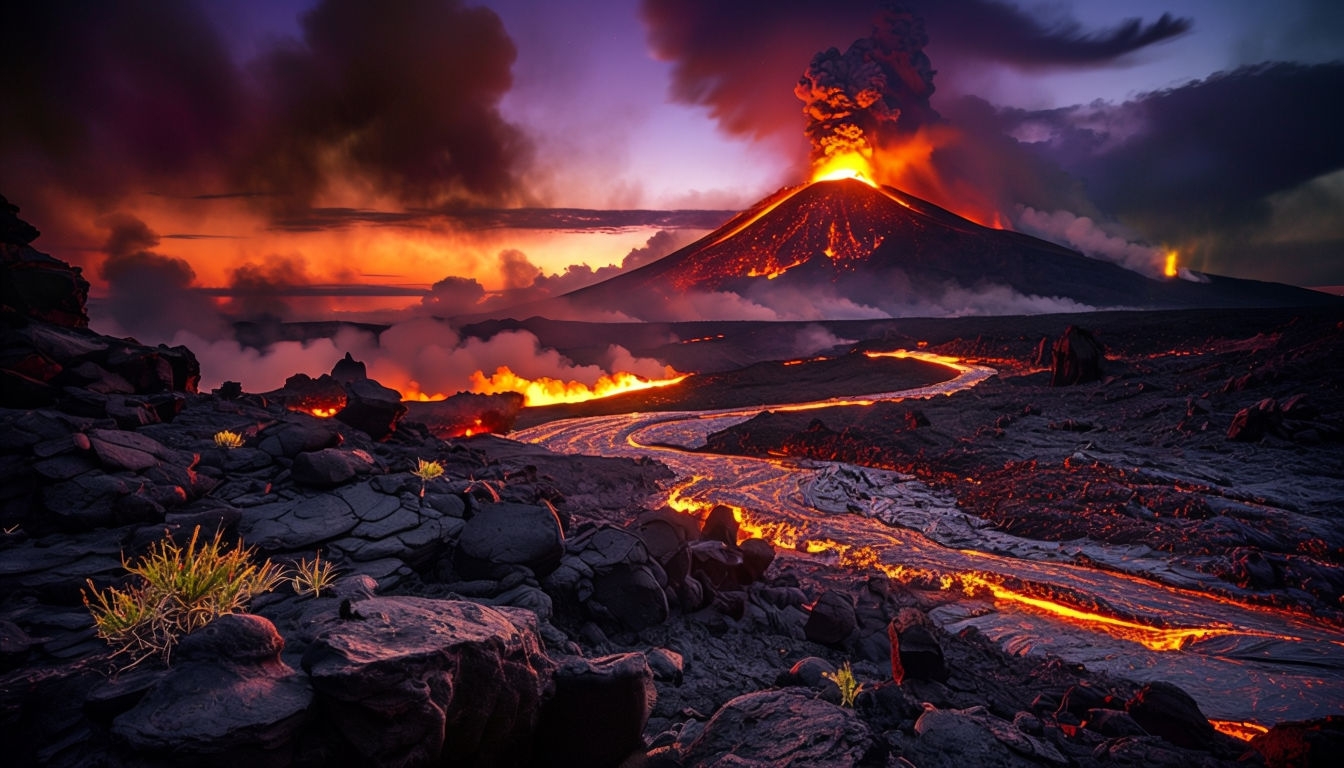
column 1239, row 729
column 323, row 413
column 1169, row 267
column 549, row 391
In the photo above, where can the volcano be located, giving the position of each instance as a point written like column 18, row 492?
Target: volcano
column 841, row 248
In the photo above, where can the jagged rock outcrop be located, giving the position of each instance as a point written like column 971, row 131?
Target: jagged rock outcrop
column 410, row 681
column 1076, row 358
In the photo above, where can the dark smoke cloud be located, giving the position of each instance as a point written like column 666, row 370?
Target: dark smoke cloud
column 723, row 52
column 1209, row 165
column 399, row 99
column 1211, row 149
column 879, row 86
column 150, row 295
column 405, row 94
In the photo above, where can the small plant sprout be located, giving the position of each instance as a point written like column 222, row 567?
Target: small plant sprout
column 844, row 682
column 312, row 577
column 227, row 439
column 426, row 471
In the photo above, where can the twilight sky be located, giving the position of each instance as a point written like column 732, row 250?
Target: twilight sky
column 281, row 151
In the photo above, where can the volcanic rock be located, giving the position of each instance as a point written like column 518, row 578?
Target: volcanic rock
column 34, row 284
column 292, row 437
column 227, row 696
column 417, row 681
column 329, row 467
column 1255, row 421
column 1302, row 744
column 372, row 408
column 783, row 728
column 1164, row 710
column 757, row 554
column 1076, row 358
column 627, row 585
column 467, row 413
column 597, row 715
column 832, row 618
column 953, row 738
column 915, row 654
column 510, row 534
column 348, row 370
column 720, row 525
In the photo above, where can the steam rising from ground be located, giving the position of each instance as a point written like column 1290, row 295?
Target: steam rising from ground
column 418, row 356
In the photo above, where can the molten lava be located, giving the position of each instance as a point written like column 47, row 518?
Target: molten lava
column 548, row 391
column 1169, row 268
column 846, row 165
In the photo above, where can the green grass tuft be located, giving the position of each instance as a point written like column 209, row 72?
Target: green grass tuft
column 175, row 590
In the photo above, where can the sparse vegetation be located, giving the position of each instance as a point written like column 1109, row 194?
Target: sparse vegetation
column 844, row 681
column 313, row 577
column 426, row 471
column 175, row 590
column 226, row 439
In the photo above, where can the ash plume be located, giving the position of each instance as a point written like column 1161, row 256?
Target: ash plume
column 721, row 53
column 878, row 87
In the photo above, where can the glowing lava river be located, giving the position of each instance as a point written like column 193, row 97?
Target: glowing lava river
column 1134, row 616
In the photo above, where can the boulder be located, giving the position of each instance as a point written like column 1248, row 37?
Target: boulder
column 227, row 695
column 290, row 438
column 598, row 713
column 372, row 408
column 720, row 525
column 329, row 467
column 415, row 681
column 1164, row 710
column 915, row 654
column 832, row 618
column 757, row 555
column 951, row 738
column 510, row 534
column 781, row 728
column 1302, row 744
column 1076, row 358
column 1253, row 422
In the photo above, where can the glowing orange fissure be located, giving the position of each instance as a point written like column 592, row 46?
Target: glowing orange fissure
column 545, row 390
column 1169, row 267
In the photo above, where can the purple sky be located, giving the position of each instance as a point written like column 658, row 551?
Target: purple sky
column 656, row 104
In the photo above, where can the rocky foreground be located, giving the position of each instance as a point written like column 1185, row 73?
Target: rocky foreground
column 525, row 608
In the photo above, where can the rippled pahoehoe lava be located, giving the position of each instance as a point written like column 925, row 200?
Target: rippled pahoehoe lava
column 1243, row 663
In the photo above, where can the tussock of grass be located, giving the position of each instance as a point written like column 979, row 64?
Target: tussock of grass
column 227, row 439
column 175, row 590
column 313, row 577
column 845, row 682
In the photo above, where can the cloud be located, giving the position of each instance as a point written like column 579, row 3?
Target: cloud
column 397, row 101
column 722, row 52
column 1089, row 237
column 150, row 295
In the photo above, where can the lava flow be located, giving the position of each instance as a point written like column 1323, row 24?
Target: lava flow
column 1243, row 663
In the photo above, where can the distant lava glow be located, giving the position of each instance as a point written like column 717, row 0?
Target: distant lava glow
column 1169, row 268
column 549, row 391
